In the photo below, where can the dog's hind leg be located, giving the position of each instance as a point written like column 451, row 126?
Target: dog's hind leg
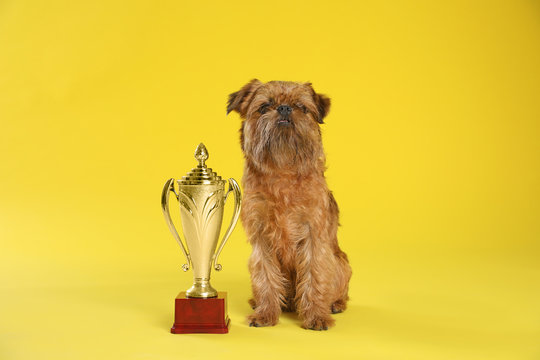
column 343, row 275
column 252, row 303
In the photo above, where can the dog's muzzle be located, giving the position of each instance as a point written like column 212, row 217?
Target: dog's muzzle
column 284, row 121
column 284, row 111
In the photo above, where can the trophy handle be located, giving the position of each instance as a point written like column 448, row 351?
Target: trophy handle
column 167, row 189
column 233, row 186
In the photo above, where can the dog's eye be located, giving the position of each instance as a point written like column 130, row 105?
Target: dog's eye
column 264, row 108
column 302, row 107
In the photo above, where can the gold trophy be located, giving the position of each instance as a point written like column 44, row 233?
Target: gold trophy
column 201, row 195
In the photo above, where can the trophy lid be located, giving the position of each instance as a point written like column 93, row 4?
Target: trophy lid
column 201, row 175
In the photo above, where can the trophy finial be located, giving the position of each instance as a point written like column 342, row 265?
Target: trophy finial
column 201, row 154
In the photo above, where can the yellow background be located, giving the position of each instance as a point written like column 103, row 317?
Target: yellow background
column 433, row 155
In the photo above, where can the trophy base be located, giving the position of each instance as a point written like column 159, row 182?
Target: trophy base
column 197, row 315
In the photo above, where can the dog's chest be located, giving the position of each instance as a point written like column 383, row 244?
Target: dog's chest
column 282, row 211
column 288, row 208
column 292, row 225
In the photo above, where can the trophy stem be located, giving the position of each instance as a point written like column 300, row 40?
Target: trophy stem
column 201, row 288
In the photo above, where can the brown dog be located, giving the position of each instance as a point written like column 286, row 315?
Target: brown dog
column 289, row 214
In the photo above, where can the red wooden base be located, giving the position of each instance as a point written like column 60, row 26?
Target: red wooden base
column 192, row 315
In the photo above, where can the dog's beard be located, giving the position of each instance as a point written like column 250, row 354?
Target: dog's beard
column 283, row 146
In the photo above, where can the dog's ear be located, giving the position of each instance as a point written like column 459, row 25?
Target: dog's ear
column 322, row 102
column 323, row 106
column 239, row 100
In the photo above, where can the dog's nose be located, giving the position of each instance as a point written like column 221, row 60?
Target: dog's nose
column 284, row 110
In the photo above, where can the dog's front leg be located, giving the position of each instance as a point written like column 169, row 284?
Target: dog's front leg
column 313, row 284
column 268, row 285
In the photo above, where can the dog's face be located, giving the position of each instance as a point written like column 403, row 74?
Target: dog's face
column 281, row 119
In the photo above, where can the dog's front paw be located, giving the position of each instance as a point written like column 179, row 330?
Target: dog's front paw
column 259, row 320
column 318, row 323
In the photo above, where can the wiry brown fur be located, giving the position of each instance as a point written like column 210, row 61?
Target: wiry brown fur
column 289, row 214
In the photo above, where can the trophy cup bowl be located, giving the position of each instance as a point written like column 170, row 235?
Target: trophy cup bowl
column 201, row 196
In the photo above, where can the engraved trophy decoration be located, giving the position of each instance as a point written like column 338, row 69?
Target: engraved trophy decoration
column 201, row 196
